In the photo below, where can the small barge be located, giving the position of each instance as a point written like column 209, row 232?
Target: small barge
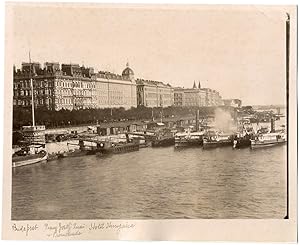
column 107, row 147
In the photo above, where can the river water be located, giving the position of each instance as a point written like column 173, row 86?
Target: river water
column 155, row 183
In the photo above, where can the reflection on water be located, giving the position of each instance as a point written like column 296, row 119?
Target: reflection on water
column 160, row 183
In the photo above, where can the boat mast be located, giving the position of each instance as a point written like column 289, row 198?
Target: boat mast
column 32, row 96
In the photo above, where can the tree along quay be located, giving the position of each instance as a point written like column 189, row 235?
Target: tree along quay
column 66, row 118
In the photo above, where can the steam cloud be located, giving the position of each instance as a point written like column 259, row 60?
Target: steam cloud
column 223, row 121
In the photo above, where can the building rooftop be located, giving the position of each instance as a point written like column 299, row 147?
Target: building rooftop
column 151, row 82
column 127, row 71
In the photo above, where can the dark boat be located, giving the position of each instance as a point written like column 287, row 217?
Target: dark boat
column 242, row 141
column 103, row 147
column 107, row 147
column 164, row 137
column 165, row 141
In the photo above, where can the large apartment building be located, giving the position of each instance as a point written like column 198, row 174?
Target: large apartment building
column 154, row 93
column 196, row 96
column 71, row 86
column 114, row 91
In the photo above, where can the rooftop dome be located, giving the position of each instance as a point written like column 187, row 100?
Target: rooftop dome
column 128, row 72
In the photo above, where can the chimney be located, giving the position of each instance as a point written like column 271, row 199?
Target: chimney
column 272, row 125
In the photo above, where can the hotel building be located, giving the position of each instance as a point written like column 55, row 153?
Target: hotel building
column 154, row 93
column 72, row 87
column 114, row 91
column 196, row 96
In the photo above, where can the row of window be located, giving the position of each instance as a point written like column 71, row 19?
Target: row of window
column 36, row 83
column 67, row 92
column 74, row 84
column 36, row 102
column 36, row 92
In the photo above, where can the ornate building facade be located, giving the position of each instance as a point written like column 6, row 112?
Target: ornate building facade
column 69, row 87
column 72, row 87
column 154, row 93
column 114, row 91
column 196, row 96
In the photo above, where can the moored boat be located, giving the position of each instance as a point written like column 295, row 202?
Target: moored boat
column 268, row 139
column 163, row 138
column 33, row 147
column 164, row 141
column 107, row 147
column 187, row 139
column 242, row 141
column 73, row 153
column 213, row 139
column 28, row 158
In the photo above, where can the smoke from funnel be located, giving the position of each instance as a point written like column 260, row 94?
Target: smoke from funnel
column 223, row 120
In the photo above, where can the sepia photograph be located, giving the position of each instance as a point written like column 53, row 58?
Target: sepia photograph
column 147, row 112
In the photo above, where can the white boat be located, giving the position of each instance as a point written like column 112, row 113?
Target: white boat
column 268, row 139
column 33, row 150
column 28, row 159
column 216, row 139
column 188, row 139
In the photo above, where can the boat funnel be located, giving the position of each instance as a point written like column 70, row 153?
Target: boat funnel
column 272, row 125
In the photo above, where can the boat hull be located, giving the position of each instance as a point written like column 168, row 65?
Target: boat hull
column 163, row 142
column 214, row 144
column 77, row 153
column 241, row 143
column 257, row 145
column 118, row 149
column 23, row 161
column 188, row 143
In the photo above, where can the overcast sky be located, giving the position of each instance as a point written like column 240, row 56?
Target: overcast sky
column 238, row 51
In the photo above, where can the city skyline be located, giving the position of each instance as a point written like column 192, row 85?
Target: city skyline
column 192, row 45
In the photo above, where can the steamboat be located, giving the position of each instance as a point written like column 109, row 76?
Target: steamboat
column 188, row 139
column 268, row 139
column 214, row 139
